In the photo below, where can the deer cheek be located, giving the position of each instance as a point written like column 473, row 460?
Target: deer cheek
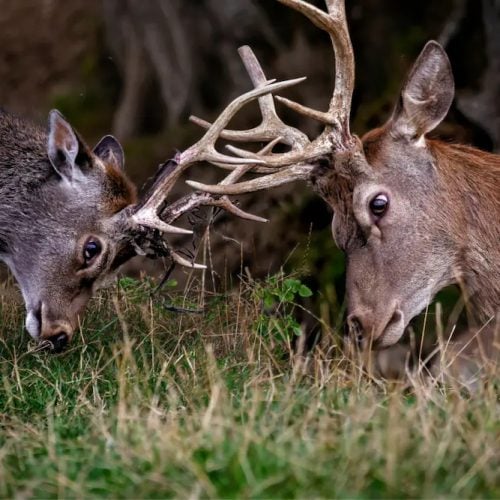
column 338, row 234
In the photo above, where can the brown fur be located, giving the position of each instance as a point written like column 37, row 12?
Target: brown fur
column 121, row 192
column 468, row 207
column 470, row 180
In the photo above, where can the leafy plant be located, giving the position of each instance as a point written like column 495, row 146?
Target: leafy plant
column 279, row 296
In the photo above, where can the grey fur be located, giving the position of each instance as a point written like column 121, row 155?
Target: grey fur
column 48, row 207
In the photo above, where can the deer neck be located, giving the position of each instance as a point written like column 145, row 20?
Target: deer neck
column 471, row 185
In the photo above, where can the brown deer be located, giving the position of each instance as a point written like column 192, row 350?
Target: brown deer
column 70, row 217
column 412, row 215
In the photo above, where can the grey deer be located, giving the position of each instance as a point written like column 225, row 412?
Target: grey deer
column 69, row 216
column 412, row 215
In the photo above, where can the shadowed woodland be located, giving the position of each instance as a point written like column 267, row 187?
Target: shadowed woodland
column 139, row 69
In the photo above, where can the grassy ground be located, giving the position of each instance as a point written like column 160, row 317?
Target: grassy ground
column 150, row 403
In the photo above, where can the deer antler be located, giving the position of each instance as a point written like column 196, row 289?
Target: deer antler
column 147, row 222
column 298, row 162
column 152, row 217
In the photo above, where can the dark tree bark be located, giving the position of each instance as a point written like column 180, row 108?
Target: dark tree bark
column 483, row 107
column 172, row 42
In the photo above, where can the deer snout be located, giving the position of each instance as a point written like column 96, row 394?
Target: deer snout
column 58, row 333
column 376, row 331
column 59, row 341
column 42, row 327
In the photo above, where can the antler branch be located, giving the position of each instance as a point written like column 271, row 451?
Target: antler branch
column 152, row 213
column 271, row 125
column 155, row 217
column 297, row 163
column 146, row 213
column 335, row 24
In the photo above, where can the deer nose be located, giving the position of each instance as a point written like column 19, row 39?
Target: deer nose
column 355, row 330
column 56, row 331
column 366, row 331
column 59, row 341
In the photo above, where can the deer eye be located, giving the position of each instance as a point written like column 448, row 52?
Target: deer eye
column 379, row 205
column 91, row 249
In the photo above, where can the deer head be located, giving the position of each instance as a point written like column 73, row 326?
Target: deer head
column 389, row 194
column 55, row 194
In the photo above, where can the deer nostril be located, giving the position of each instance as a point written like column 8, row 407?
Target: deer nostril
column 392, row 331
column 59, row 341
column 355, row 329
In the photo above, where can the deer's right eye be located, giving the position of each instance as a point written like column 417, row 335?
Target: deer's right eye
column 91, row 249
column 379, row 205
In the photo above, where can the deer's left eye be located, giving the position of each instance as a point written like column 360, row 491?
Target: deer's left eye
column 379, row 205
column 91, row 249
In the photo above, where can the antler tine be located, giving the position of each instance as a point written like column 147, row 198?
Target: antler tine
column 270, row 119
column 284, row 176
column 186, row 204
column 241, row 170
column 229, row 186
column 146, row 212
column 204, row 149
column 335, row 24
column 271, row 125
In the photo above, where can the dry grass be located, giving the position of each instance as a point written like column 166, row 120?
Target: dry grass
column 157, row 404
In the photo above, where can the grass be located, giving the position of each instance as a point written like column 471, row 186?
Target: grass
column 149, row 403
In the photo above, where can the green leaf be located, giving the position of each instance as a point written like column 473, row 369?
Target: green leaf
column 127, row 283
column 305, row 291
column 292, row 284
column 269, row 301
column 297, row 331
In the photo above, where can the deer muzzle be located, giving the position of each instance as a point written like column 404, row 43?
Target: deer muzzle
column 376, row 331
column 56, row 333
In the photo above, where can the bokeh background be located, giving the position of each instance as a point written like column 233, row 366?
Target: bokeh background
column 138, row 69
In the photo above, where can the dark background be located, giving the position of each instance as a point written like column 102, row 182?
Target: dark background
column 138, row 69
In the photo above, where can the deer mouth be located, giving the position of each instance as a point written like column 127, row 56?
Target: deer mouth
column 51, row 335
column 392, row 332
column 57, row 343
column 367, row 334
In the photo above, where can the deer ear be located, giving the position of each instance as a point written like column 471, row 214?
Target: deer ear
column 67, row 152
column 109, row 150
column 426, row 96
